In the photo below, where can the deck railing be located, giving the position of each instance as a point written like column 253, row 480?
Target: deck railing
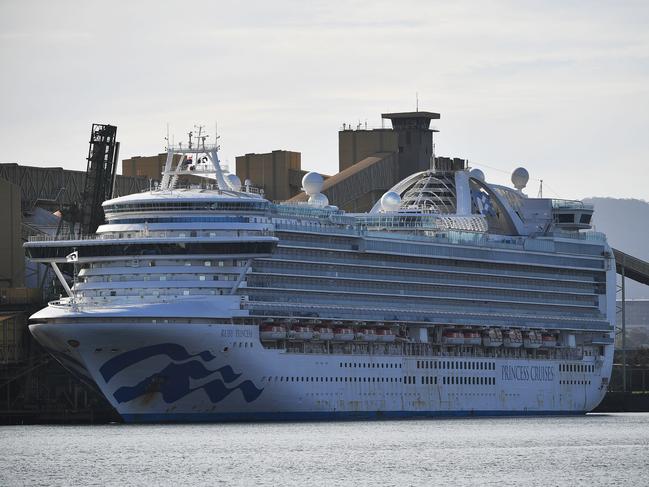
column 570, row 205
column 153, row 235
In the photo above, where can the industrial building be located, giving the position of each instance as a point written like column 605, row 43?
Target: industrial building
column 54, row 187
column 370, row 162
column 637, row 313
column 149, row 167
column 12, row 269
column 278, row 173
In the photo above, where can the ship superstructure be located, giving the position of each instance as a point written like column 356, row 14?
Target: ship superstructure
column 452, row 296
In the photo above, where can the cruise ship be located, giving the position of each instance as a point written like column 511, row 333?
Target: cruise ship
column 200, row 300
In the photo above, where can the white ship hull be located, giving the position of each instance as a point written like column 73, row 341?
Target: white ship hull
column 196, row 372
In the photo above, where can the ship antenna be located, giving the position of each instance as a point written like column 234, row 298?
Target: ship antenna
column 432, row 156
column 540, row 189
column 198, row 139
column 417, row 100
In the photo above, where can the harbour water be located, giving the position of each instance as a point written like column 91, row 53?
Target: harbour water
column 597, row 449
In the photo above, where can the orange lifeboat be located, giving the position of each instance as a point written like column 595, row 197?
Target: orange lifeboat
column 369, row 334
column 513, row 339
column 323, row 333
column 301, row 333
column 532, row 339
column 343, row 334
column 471, row 337
column 549, row 340
column 451, row 336
column 492, row 337
column 385, row 335
column 272, row 332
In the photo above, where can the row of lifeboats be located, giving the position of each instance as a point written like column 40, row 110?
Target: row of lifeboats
column 343, row 334
column 495, row 337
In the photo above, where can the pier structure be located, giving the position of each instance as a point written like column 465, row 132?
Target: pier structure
column 628, row 266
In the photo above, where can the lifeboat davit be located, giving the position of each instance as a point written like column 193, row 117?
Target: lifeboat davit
column 385, row 335
column 548, row 340
column 343, row 334
column 513, row 339
column 272, row 332
column 471, row 338
column 323, row 333
column 301, row 333
column 532, row 339
column 492, row 337
column 452, row 337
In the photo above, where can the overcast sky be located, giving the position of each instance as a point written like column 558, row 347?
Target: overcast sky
column 559, row 87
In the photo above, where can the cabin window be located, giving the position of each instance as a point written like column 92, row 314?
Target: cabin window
column 566, row 218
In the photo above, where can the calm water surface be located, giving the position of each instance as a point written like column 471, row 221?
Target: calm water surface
column 593, row 450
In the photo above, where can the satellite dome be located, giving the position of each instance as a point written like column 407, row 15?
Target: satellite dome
column 312, row 183
column 390, row 201
column 520, row 177
column 233, row 181
column 477, row 174
column 247, row 182
column 318, row 199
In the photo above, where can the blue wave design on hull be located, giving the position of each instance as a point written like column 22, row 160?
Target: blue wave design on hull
column 172, row 382
column 171, row 350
